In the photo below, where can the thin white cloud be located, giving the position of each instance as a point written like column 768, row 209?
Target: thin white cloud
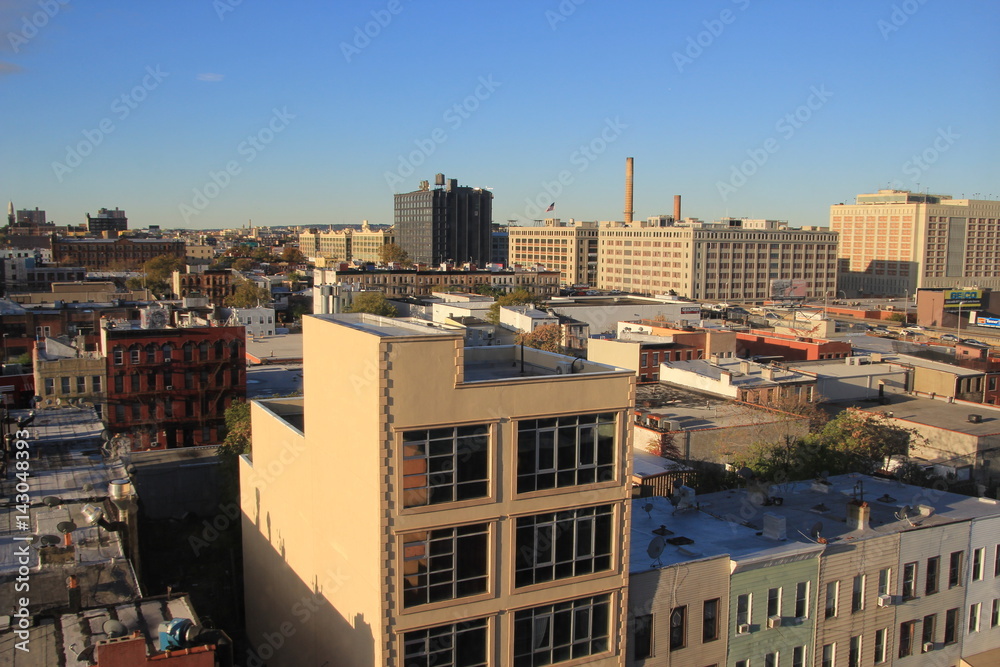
column 9, row 68
column 210, row 76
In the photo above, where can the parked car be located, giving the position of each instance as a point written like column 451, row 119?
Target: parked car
column 973, row 341
column 949, row 338
column 915, row 327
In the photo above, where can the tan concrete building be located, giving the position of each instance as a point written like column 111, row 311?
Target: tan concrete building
column 407, row 282
column 345, row 245
column 895, row 241
column 715, row 261
column 66, row 376
column 567, row 247
column 436, row 504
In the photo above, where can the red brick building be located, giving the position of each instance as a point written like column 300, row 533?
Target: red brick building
column 170, row 388
column 119, row 253
column 788, row 347
column 215, row 284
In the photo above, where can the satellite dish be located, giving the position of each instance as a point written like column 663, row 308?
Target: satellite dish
column 745, row 473
column 52, row 501
column 114, row 629
column 88, row 487
column 903, row 513
column 655, row 549
column 65, row 527
column 49, row 540
column 648, row 508
column 815, row 531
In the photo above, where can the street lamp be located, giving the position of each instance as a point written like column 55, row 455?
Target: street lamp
column 958, row 327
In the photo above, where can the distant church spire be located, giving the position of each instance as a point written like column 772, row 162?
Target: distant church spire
column 10, row 213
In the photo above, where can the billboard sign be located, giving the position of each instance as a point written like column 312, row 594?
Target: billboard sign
column 988, row 322
column 963, row 297
column 690, row 310
column 789, row 289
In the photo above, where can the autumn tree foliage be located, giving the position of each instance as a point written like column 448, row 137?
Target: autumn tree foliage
column 546, row 337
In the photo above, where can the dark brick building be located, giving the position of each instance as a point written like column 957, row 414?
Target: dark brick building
column 170, row 387
column 449, row 223
column 119, row 253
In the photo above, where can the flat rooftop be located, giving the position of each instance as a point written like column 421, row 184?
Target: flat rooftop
column 709, row 415
column 68, row 467
column 731, row 522
column 755, row 376
column 862, row 366
column 387, row 327
column 941, row 414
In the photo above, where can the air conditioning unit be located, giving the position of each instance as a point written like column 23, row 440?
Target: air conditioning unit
column 564, row 367
column 885, row 600
column 928, row 646
column 743, row 628
column 773, row 622
column 169, row 388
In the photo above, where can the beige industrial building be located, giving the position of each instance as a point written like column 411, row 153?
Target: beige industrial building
column 895, row 241
column 345, row 245
column 567, row 247
column 428, row 503
column 715, row 261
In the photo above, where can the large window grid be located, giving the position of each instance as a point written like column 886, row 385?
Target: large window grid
column 443, row 465
column 560, row 632
column 457, row 645
column 444, row 564
column 564, row 544
column 565, row 451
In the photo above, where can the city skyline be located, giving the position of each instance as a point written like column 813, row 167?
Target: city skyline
column 217, row 113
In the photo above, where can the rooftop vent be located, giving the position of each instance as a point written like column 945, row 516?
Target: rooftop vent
column 975, row 419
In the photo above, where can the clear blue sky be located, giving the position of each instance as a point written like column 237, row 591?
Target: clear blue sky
column 887, row 81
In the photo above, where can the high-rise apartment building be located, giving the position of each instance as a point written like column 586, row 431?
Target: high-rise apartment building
column 894, row 242
column 709, row 261
column 434, row 504
column 107, row 221
column 567, row 247
column 448, row 223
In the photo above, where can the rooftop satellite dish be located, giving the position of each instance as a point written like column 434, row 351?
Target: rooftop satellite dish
column 49, row 540
column 114, row 629
column 903, row 513
column 65, row 527
column 655, row 550
column 88, row 487
column 745, row 473
column 648, row 507
column 52, row 501
column 816, row 530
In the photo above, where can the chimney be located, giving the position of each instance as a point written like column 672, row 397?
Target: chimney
column 677, row 208
column 857, row 515
column 628, row 190
column 73, row 593
column 745, row 367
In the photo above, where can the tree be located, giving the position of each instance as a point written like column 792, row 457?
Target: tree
column 157, row 275
column 897, row 317
column 518, row 297
column 243, row 264
column 248, row 295
column 854, row 441
column 374, row 303
column 238, row 431
column 292, row 255
column 546, row 337
column 392, row 252
column 489, row 290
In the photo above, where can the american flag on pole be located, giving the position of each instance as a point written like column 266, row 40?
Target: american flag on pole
column 551, row 207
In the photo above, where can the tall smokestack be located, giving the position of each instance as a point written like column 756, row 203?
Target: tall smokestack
column 677, row 208
column 628, row 190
